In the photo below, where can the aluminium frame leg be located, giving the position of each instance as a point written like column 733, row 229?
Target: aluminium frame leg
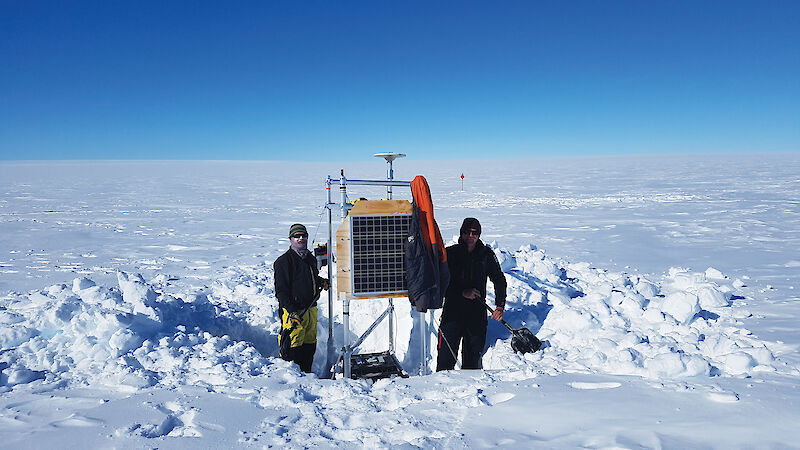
column 423, row 337
column 346, row 350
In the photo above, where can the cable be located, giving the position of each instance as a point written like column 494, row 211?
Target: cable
column 317, row 230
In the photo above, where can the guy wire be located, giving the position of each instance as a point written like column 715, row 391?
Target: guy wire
column 318, row 223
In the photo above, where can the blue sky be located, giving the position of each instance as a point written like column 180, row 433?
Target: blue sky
column 329, row 80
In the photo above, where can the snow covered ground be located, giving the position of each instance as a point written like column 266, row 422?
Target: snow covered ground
column 137, row 307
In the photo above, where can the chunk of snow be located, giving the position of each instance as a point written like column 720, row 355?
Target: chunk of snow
column 79, row 284
column 715, row 274
column 138, row 294
column 682, row 306
column 710, row 298
column 738, row 363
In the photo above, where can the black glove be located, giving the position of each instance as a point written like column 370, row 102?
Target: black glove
column 294, row 320
column 324, row 284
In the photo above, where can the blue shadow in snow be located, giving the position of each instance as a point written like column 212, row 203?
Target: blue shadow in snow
column 527, row 316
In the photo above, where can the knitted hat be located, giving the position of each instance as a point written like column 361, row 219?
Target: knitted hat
column 470, row 223
column 297, row 228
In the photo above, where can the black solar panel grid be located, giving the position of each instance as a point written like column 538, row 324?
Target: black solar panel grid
column 378, row 249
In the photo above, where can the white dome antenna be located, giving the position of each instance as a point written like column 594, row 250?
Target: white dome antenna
column 389, row 157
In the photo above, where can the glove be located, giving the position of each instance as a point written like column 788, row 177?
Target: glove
column 325, row 284
column 294, row 320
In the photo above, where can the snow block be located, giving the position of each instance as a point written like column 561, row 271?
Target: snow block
column 79, row 284
column 738, row 363
column 672, row 365
column 506, row 260
column 646, row 288
column 682, row 306
column 137, row 293
column 715, row 274
column 711, row 298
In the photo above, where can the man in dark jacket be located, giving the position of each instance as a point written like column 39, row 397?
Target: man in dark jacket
column 464, row 318
column 297, row 286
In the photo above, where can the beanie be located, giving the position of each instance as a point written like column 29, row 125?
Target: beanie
column 297, row 228
column 470, row 223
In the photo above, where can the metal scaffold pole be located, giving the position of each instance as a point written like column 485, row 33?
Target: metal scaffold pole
column 331, row 349
column 347, row 350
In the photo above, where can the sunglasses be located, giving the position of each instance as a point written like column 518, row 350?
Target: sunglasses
column 472, row 232
column 300, row 236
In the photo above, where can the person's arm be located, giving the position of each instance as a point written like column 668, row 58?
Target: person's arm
column 283, row 287
column 498, row 278
column 322, row 283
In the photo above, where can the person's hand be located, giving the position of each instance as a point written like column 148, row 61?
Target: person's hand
column 497, row 314
column 294, row 320
column 325, row 284
column 471, row 293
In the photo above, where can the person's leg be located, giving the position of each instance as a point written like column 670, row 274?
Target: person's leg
column 474, row 342
column 299, row 343
column 290, row 337
column 304, row 356
column 305, row 352
column 447, row 346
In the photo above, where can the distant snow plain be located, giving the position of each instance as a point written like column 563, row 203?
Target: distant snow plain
column 137, row 306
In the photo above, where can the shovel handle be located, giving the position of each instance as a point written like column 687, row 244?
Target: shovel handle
column 501, row 320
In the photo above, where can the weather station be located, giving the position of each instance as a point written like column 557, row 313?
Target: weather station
column 370, row 266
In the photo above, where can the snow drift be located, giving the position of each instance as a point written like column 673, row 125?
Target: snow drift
column 135, row 335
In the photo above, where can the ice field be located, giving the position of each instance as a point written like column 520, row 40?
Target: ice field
column 137, row 306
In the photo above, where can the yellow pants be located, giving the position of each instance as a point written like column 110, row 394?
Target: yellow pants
column 302, row 339
column 306, row 333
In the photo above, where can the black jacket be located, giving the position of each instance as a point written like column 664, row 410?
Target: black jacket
column 297, row 281
column 426, row 276
column 471, row 270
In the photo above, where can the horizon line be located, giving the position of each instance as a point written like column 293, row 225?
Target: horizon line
column 407, row 158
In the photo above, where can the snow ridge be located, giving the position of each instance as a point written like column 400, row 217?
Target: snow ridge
column 616, row 323
column 134, row 335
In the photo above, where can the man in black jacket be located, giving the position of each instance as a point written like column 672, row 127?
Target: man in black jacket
column 464, row 313
column 297, row 286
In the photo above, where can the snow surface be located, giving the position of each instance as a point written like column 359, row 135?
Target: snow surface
column 138, row 310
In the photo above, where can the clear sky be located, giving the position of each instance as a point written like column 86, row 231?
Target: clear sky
column 340, row 80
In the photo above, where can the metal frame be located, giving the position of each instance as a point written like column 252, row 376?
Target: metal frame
column 344, row 206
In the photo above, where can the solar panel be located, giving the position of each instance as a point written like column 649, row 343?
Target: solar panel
column 377, row 250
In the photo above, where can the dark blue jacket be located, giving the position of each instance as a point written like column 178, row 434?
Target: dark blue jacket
column 426, row 276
